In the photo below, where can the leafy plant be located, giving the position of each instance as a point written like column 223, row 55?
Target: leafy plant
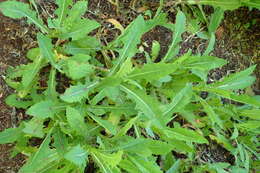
column 116, row 114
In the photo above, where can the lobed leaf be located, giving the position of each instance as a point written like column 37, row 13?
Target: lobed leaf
column 17, row 10
column 178, row 30
column 77, row 93
column 78, row 156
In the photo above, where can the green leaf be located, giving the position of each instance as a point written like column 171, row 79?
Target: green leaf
column 184, row 134
column 215, row 20
column 74, row 26
column 252, row 3
column 181, row 99
column 144, row 165
column 104, row 167
column 224, row 4
column 156, row 47
column 211, row 44
column 130, row 37
column 178, row 30
column 51, row 90
column 128, row 125
column 30, row 75
column 34, row 128
column 104, row 123
column 77, row 93
column 76, row 120
column 17, row 10
column 110, row 159
column 236, row 81
column 145, row 103
column 10, row 135
column 211, row 113
column 201, row 65
column 125, row 68
column 158, row 147
column 14, row 101
column 77, row 10
column 44, row 158
column 60, row 142
column 253, row 114
column 249, row 125
column 246, row 99
column 79, row 29
column 87, row 45
column 78, row 156
column 46, row 49
column 174, row 167
column 42, row 110
column 151, row 72
column 78, row 66
column 62, row 10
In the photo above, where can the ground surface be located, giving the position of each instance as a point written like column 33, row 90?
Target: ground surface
column 238, row 38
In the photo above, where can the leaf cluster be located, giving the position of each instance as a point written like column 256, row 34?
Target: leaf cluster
column 117, row 114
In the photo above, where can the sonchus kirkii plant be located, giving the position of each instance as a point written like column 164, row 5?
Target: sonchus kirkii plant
column 119, row 116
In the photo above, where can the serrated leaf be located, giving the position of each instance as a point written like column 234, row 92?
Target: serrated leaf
column 30, row 74
column 128, row 125
column 211, row 44
column 205, row 63
column 17, row 10
column 60, row 142
column 110, row 159
column 33, row 53
column 236, row 81
column 224, row 4
column 14, row 101
column 151, row 72
column 62, row 10
column 104, row 123
column 253, row 114
column 76, row 120
column 10, row 135
column 77, row 93
column 51, row 90
column 77, row 10
column 186, row 135
column 46, row 47
column 78, row 156
column 158, row 147
column 145, row 103
column 144, row 165
column 211, row 113
column 130, row 37
column 87, row 45
column 246, row 99
column 42, row 160
column 34, row 128
column 156, row 47
column 125, row 69
column 79, row 29
column 78, row 66
column 201, row 65
column 103, row 166
column 181, row 99
column 215, row 20
column 178, row 30
column 42, row 110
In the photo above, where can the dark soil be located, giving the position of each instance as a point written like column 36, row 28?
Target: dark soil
column 238, row 42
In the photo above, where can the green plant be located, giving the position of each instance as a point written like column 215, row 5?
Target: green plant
column 118, row 114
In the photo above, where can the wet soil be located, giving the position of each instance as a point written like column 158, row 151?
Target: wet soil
column 237, row 41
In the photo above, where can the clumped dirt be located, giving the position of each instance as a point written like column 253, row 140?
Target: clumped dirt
column 237, row 41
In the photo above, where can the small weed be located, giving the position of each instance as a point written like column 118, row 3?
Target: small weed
column 120, row 114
